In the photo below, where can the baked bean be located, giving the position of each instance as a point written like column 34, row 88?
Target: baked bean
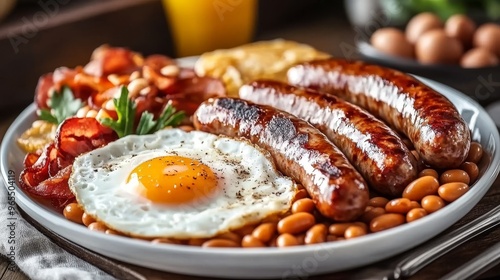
column 220, row 243
column 91, row 113
column 303, row 205
column 428, row 172
column 82, row 112
column 87, row 219
column 386, row 221
column 415, row 214
column 73, row 212
column 454, row 175
column 451, row 191
column 475, row 152
column 96, row 226
column 186, row 128
column 471, row 169
column 285, row 240
column 415, row 204
column 372, row 213
column 432, row 203
column 296, row 223
column 229, row 236
column 196, row 241
column 164, row 241
column 316, row 234
column 264, row 232
column 302, row 193
column 250, row 241
column 339, row 229
column 398, row 205
column 354, row 231
column 421, row 187
column 378, row 201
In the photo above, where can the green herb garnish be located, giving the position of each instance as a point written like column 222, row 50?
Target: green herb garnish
column 63, row 105
column 125, row 110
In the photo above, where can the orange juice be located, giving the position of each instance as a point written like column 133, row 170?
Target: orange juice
column 198, row 26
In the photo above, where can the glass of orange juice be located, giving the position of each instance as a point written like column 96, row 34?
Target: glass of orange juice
column 205, row 25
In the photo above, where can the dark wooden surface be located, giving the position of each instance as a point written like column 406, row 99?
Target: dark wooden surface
column 328, row 33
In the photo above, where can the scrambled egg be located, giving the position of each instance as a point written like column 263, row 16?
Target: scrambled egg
column 35, row 138
column 260, row 60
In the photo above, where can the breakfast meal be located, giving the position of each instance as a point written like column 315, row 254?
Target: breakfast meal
column 271, row 144
column 429, row 41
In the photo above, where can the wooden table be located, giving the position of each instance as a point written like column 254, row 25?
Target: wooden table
column 332, row 34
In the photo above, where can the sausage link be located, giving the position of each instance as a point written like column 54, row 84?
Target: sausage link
column 299, row 150
column 370, row 145
column 426, row 117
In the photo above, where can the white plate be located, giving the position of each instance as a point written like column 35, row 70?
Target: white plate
column 299, row 261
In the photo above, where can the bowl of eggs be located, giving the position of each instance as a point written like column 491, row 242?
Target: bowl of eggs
column 458, row 52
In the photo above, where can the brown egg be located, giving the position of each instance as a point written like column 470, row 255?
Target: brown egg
column 478, row 57
column 488, row 36
column 392, row 41
column 460, row 27
column 420, row 24
column 436, row 47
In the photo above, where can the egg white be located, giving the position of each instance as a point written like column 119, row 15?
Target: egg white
column 249, row 186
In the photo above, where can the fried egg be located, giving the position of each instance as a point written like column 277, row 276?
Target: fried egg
column 179, row 184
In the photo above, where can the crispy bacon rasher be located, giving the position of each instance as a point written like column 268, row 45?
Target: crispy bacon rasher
column 46, row 175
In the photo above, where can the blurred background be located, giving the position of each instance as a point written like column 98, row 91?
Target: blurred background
column 36, row 36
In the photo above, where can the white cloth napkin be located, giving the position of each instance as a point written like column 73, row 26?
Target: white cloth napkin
column 35, row 254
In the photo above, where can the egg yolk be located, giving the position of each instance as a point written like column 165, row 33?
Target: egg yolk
column 174, row 179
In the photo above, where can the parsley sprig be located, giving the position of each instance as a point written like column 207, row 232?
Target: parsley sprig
column 63, row 105
column 125, row 110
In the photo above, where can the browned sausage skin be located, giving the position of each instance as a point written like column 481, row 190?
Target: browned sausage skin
column 369, row 144
column 300, row 151
column 429, row 119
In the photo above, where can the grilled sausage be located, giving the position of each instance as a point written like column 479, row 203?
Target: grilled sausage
column 427, row 118
column 370, row 145
column 299, row 150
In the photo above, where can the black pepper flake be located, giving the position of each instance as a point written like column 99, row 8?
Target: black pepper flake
column 239, row 195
